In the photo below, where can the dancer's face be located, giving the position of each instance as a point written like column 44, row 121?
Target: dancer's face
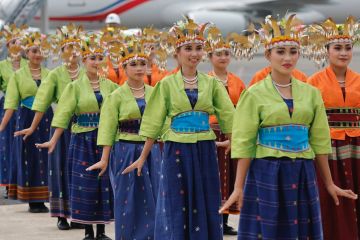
column 135, row 70
column 283, row 59
column 190, row 54
column 340, row 54
column 220, row 59
column 34, row 55
column 93, row 63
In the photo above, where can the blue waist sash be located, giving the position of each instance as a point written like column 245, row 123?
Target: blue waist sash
column 28, row 102
column 288, row 138
column 191, row 122
column 90, row 120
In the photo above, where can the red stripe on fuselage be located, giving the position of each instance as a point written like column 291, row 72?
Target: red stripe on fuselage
column 121, row 9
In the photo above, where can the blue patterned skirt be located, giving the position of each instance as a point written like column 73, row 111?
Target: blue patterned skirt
column 281, row 201
column 29, row 182
column 189, row 193
column 6, row 140
column 135, row 197
column 58, row 177
column 91, row 198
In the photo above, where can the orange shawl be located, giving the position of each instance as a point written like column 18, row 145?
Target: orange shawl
column 156, row 75
column 113, row 76
column 235, row 88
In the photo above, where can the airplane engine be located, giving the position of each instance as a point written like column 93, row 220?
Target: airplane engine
column 227, row 21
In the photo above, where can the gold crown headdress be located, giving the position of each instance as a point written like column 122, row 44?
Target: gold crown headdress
column 11, row 32
column 133, row 50
column 214, row 40
column 111, row 36
column 150, row 37
column 188, row 32
column 112, row 40
column 241, row 46
column 348, row 32
column 68, row 35
column 35, row 39
column 137, row 48
column 90, row 46
column 316, row 37
column 280, row 33
column 168, row 42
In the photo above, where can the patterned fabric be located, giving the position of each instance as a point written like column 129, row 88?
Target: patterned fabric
column 341, row 222
column 190, row 122
column 227, row 169
column 135, row 197
column 189, row 193
column 289, row 138
column 90, row 120
column 281, row 201
column 29, row 182
column 6, row 140
column 59, row 177
column 343, row 117
column 91, row 198
column 132, row 126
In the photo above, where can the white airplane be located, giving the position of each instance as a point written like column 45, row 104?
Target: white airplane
column 229, row 15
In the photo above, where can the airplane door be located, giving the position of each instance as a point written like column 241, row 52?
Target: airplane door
column 76, row 3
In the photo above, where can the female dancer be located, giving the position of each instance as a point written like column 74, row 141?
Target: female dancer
column 90, row 196
column 49, row 92
column 120, row 120
column 31, row 180
column 7, row 69
column 189, row 189
column 219, row 53
column 340, row 89
column 281, row 124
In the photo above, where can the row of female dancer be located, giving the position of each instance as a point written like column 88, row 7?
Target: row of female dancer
column 147, row 156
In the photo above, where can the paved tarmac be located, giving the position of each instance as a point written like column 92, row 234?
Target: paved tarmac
column 16, row 223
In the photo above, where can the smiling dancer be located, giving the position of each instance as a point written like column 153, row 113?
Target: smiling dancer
column 189, row 190
column 31, row 181
column 340, row 89
column 91, row 199
column 50, row 91
column 7, row 69
column 285, row 129
column 219, row 53
column 135, row 197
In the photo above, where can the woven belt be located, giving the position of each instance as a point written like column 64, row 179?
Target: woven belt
column 190, row 122
column 131, row 126
column 90, row 120
column 288, row 138
column 343, row 117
